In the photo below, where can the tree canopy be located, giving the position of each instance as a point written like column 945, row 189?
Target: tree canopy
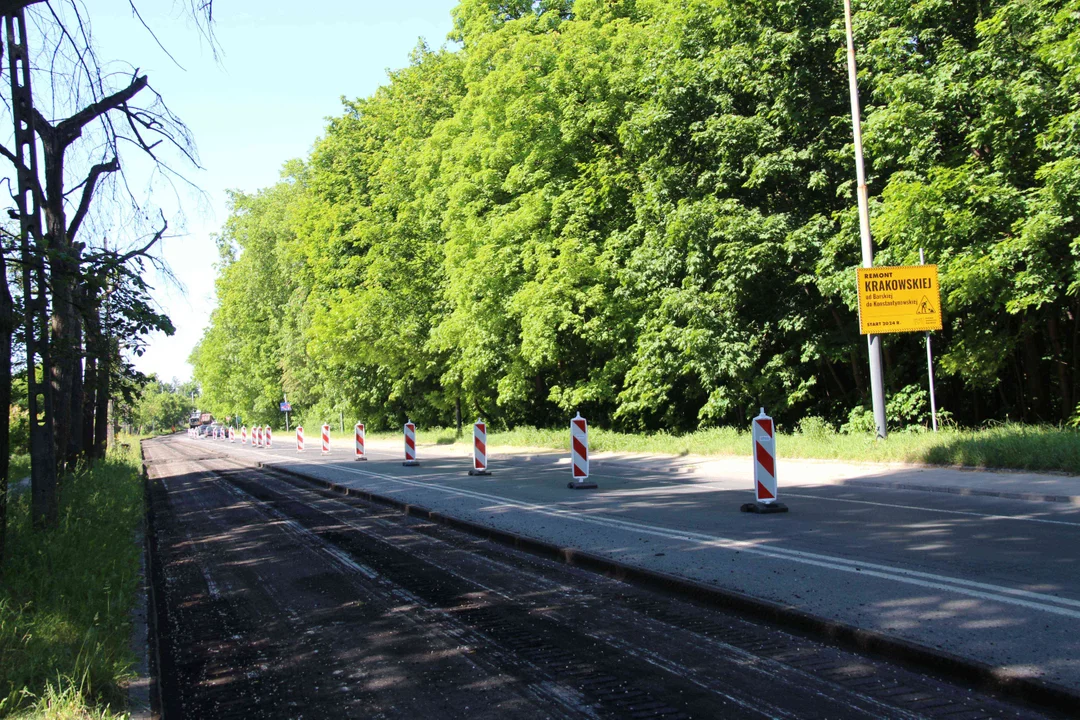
column 644, row 210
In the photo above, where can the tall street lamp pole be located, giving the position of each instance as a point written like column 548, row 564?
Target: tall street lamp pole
column 877, row 378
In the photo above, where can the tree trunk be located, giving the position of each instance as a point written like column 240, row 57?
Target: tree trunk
column 88, row 405
column 1061, row 363
column 64, row 268
column 1033, row 374
column 110, row 426
column 102, row 432
column 77, row 390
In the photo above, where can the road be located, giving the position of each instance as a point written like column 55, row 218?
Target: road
column 242, row 544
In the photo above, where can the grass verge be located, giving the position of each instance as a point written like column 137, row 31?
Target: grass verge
column 67, row 594
column 1007, row 446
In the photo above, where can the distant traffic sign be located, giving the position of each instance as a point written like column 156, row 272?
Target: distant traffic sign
column 899, row 299
column 286, row 407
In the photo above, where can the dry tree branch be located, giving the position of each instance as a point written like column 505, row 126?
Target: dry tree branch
column 88, row 192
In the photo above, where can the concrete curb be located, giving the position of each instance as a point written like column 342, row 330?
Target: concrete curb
column 985, row 676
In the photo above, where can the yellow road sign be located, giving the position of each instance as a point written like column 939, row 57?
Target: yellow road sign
column 899, row 299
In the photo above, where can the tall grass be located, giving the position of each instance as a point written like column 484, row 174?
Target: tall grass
column 67, row 594
column 1006, row 446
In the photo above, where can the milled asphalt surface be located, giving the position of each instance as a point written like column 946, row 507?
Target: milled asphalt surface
column 992, row 579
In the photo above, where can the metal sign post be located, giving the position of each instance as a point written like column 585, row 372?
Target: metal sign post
column 286, row 406
column 930, row 362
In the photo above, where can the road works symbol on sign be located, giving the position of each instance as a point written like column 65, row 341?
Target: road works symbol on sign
column 479, row 449
column 361, row 451
column 579, row 454
column 763, row 435
column 899, row 299
column 410, row 444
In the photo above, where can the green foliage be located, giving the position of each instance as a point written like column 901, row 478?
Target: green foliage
column 644, row 210
column 815, row 427
column 160, row 407
column 19, row 429
column 67, row 595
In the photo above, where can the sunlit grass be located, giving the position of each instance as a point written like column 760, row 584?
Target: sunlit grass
column 67, row 593
column 1011, row 446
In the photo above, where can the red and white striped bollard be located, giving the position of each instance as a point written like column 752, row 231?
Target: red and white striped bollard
column 410, row 444
column 243, row 434
column 763, row 436
column 232, row 434
column 360, row 435
column 479, row 449
column 579, row 454
column 299, row 438
column 325, row 439
column 269, row 437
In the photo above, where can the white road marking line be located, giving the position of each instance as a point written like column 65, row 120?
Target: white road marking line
column 1023, row 518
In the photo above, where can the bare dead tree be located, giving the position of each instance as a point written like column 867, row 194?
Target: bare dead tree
column 106, row 119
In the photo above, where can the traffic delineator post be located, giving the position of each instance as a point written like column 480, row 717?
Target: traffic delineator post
column 410, row 444
column 579, row 454
column 325, row 438
column 258, row 436
column 359, row 435
column 269, row 437
column 480, row 463
column 763, row 437
column 299, row 438
column 243, row 434
column 232, row 434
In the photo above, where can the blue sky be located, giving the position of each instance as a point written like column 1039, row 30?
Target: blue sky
column 282, row 71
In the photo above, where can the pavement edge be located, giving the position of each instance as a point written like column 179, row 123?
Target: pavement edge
column 940, row 662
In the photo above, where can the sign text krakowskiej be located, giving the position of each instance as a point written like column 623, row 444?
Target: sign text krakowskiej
column 899, row 299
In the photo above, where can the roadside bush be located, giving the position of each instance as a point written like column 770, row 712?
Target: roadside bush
column 816, row 427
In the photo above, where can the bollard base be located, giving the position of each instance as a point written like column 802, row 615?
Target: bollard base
column 411, row 463
column 362, row 457
column 764, row 508
column 479, row 472
column 584, row 485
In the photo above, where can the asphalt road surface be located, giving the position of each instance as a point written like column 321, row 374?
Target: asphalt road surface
column 278, row 599
column 993, row 579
